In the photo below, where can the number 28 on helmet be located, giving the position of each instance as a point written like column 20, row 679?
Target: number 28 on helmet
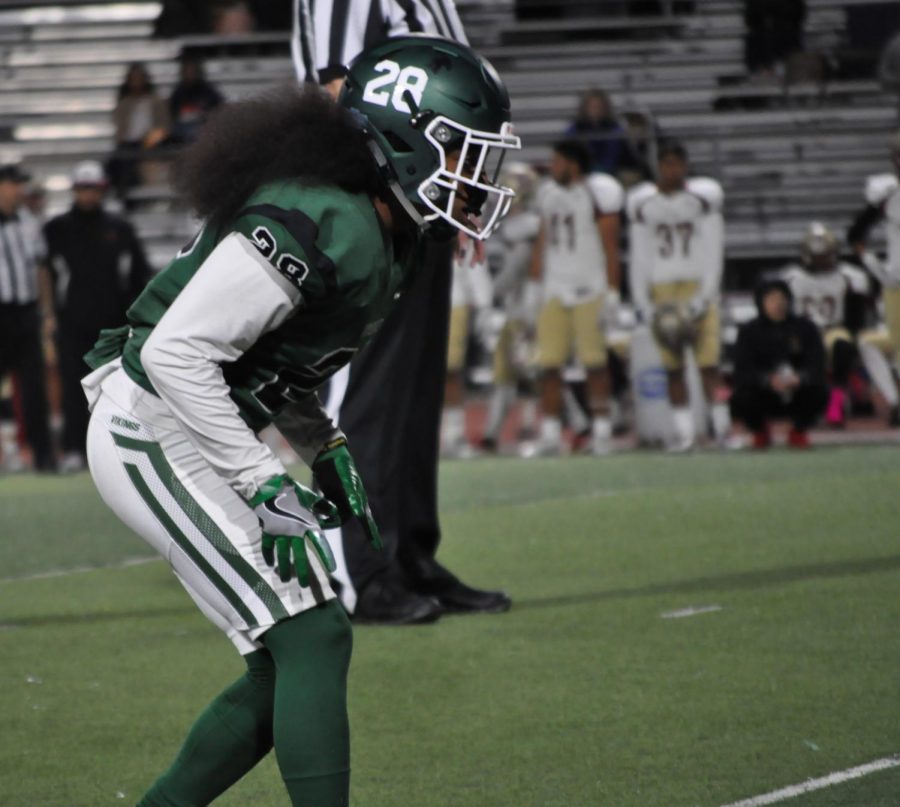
column 438, row 120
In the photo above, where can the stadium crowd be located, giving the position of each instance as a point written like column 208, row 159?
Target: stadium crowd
column 595, row 312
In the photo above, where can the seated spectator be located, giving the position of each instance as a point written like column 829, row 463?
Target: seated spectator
column 779, row 369
column 597, row 127
column 774, row 32
column 191, row 102
column 142, row 123
column 233, row 18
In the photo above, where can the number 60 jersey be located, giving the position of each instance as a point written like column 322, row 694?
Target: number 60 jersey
column 676, row 237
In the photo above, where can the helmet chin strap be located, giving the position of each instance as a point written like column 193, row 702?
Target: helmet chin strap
column 394, row 186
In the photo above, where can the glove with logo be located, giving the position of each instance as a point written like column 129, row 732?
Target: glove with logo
column 337, row 477
column 290, row 515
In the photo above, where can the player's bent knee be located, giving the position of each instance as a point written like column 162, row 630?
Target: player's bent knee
column 325, row 628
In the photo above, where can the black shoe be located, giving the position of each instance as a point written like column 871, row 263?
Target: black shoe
column 488, row 445
column 894, row 419
column 45, row 465
column 384, row 602
column 456, row 597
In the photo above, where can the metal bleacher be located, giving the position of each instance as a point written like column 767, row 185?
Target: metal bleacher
column 784, row 156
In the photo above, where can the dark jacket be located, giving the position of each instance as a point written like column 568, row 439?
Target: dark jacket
column 763, row 345
column 607, row 144
column 189, row 107
column 98, row 267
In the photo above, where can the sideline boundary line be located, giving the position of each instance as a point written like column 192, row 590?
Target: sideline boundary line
column 810, row 785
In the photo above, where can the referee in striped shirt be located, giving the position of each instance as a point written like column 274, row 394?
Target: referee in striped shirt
column 389, row 401
column 22, row 253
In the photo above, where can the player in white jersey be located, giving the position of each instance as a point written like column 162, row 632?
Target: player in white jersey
column 576, row 262
column 822, row 287
column 882, row 195
column 677, row 254
column 470, row 302
column 509, row 256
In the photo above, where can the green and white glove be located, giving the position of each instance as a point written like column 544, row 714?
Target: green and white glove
column 290, row 515
column 339, row 481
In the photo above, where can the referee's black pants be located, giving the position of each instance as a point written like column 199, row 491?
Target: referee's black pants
column 21, row 352
column 74, row 339
column 391, row 414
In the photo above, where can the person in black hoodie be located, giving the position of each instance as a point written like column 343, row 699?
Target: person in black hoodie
column 779, row 369
column 98, row 268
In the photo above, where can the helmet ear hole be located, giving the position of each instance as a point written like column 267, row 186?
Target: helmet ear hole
column 397, row 142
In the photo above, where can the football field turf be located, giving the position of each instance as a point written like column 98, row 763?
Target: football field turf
column 584, row 694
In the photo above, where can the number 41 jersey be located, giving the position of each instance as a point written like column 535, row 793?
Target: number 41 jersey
column 574, row 260
column 330, row 247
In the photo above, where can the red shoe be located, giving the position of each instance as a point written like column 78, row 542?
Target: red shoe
column 798, row 439
column 762, row 439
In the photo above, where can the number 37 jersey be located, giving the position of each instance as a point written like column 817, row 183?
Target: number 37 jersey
column 574, row 260
column 676, row 237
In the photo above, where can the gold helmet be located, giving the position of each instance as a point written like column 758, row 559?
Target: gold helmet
column 523, row 179
column 820, row 248
column 673, row 326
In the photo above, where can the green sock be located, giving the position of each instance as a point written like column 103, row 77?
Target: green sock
column 311, row 729
column 228, row 739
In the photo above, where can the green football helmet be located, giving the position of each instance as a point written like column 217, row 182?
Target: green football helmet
column 437, row 116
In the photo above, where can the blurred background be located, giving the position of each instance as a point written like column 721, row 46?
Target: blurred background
column 790, row 106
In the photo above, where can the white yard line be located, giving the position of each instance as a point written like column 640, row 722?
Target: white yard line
column 80, row 570
column 515, row 501
column 693, row 610
column 818, row 784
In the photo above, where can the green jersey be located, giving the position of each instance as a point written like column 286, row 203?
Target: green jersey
column 330, row 246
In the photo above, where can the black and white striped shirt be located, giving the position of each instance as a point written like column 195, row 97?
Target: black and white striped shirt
column 22, row 251
column 328, row 34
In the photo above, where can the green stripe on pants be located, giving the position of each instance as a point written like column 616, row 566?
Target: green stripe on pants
column 210, row 530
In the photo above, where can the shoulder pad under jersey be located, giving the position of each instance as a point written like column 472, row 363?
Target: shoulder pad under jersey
column 708, row 189
column 637, row 196
column 520, row 227
column 856, row 278
column 880, row 187
column 607, row 192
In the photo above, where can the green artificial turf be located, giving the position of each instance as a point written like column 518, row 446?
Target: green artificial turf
column 581, row 695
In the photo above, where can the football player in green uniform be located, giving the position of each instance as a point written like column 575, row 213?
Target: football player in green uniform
column 313, row 212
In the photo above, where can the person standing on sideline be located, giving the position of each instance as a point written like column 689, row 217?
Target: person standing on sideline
column 307, row 244
column 882, row 196
column 98, row 268
column 389, row 401
column 575, row 265
column 779, row 368
column 24, row 310
column 676, row 238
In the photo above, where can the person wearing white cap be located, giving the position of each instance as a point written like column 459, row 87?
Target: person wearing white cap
column 98, row 267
